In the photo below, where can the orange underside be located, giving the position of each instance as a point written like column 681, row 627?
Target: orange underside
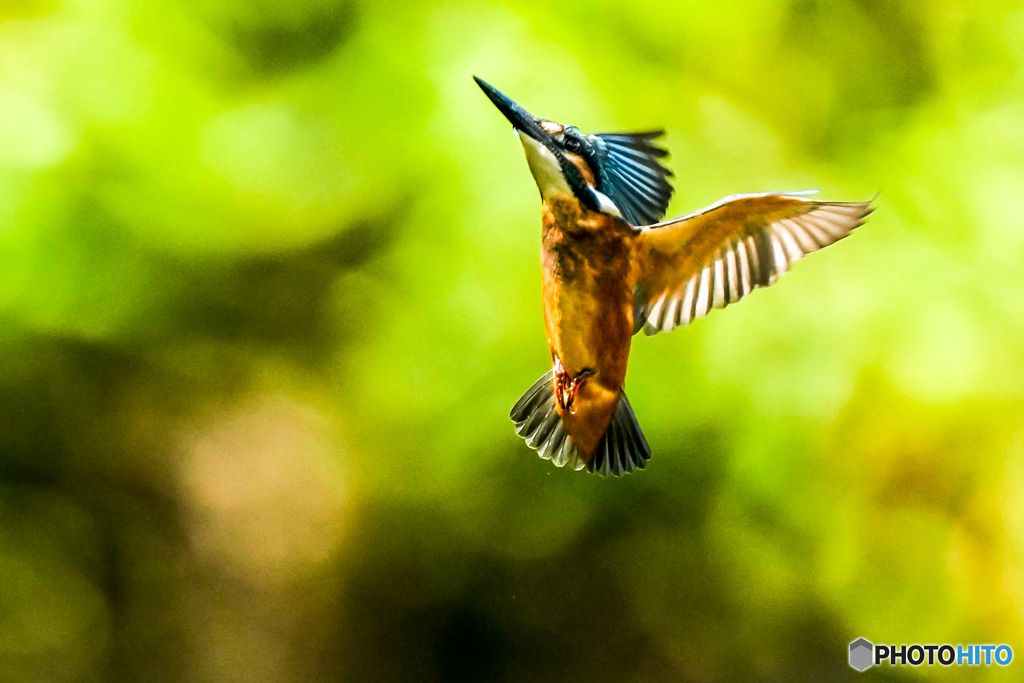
column 588, row 310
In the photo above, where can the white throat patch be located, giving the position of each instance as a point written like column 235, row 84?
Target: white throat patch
column 545, row 168
column 548, row 173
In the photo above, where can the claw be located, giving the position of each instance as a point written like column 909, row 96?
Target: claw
column 566, row 386
column 563, row 384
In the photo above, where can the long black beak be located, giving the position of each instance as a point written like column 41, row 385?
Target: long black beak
column 522, row 120
column 519, row 117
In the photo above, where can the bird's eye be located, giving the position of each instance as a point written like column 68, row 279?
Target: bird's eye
column 572, row 144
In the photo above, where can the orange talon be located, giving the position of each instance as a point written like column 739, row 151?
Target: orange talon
column 563, row 386
column 566, row 387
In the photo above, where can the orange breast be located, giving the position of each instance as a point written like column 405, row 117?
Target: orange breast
column 589, row 276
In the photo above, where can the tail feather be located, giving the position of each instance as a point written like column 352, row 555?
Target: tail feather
column 539, row 423
column 622, row 450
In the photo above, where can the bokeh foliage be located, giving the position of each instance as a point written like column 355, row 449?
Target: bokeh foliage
column 270, row 285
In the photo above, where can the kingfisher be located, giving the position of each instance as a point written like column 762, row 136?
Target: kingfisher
column 611, row 269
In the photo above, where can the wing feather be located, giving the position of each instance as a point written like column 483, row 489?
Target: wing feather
column 716, row 256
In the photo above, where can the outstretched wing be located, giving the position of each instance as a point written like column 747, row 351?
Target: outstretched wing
column 716, row 256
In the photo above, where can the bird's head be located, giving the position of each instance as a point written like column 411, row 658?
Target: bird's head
column 615, row 173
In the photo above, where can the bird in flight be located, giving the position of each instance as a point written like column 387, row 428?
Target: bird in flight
column 611, row 269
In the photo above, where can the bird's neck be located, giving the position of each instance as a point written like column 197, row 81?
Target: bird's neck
column 567, row 215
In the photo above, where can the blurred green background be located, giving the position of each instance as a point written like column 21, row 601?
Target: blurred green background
column 269, row 284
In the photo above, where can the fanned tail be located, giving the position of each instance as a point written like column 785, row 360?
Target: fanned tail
column 623, row 448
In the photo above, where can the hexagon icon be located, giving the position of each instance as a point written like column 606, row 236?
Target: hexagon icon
column 862, row 654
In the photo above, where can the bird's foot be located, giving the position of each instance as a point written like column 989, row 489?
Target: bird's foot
column 567, row 386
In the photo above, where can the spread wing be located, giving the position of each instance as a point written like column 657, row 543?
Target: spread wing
column 716, row 256
column 631, row 175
